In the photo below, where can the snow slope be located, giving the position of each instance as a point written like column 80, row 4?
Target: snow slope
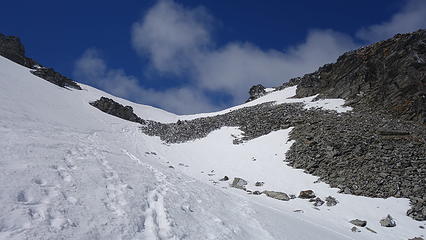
column 70, row 171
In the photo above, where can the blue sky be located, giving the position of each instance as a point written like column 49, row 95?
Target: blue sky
column 196, row 56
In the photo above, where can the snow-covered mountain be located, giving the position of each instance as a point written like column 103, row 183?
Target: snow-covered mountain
column 71, row 171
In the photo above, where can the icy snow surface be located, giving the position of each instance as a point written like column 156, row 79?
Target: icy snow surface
column 70, row 171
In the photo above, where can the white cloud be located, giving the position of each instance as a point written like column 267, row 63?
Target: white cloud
column 171, row 35
column 411, row 18
column 177, row 41
column 92, row 69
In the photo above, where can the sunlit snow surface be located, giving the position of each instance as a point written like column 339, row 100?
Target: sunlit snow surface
column 70, row 171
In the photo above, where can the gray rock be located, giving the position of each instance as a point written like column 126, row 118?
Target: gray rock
column 226, row 178
column 330, row 201
column 109, row 106
column 355, row 229
column 277, row 195
column 239, row 183
column 388, row 221
column 359, row 223
column 318, row 202
column 259, row 184
column 256, row 92
column 307, row 194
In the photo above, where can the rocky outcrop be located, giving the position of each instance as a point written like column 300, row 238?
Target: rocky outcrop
column 389, row 76
column 109, row 106
column 256, row 91
column 12, row 49
column 56, row 78
column 307, row 194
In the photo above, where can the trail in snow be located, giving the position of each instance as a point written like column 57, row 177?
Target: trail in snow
column 157, row 224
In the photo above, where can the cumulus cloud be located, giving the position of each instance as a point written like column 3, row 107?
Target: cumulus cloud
column 178, row 40
column 92, row 69
column 170, row 32
column 411, row 18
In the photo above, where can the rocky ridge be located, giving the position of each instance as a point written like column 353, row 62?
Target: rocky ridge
column 388, row 76
column 12, row 49
column 377, row 150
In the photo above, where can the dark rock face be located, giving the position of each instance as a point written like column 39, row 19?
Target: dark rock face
column 56, row 78
column 387, row 76
column 256, row 92
column 109, row 106
column 12, row 49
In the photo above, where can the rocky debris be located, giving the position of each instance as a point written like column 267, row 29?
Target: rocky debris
column 416, row 238
column 292, row 196
column 317, row 201
column 346, row 151
column 307, row 194
column 256, row 92
column 359, row 223
column 386, row 76
column 12, row 49
column 259, row 184
column 277, row 195
column 257, row 192
column 226, row 178
column 388, row 221
column 355, row 229
column 111, row 107
column 56, row 78
column 239, row 183
column 418, row 208
column 331, row 201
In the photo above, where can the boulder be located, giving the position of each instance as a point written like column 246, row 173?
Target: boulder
column 358, row 222
column 239, row 183
column 277, row 195
column 388, row 221
column 307, row 194
column 330, row 201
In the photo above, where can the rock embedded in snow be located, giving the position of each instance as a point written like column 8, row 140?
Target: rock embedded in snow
column 330, row 201
column 359, row 223
column 111, row 107
column 416, row 238
column 226, row 178
column 307, row 194
column 239, row 183
column 318, row 202
column 259, row 184
column 388, row 221
column 355, row 229
column 277, row 195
